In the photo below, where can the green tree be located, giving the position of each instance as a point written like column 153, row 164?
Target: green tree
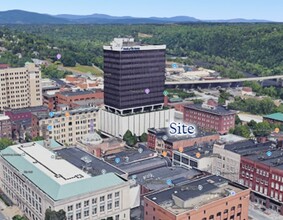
column 18, row 217
column 242, row 130
column 238, row 120
column 127, row 135
column 262, row 129
column 53, row 215
column 4, row 143
column 69, row 60
column 197, row 101
column 38, row 138
column 143, row 137
column 252, row 124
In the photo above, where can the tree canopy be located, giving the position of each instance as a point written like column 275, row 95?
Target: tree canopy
column 5, row 142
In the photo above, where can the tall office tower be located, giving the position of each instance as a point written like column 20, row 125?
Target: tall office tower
column 134, row 76
column 134, row 79
column 20, row 87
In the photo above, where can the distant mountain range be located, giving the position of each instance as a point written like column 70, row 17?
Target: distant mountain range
column 25, row 17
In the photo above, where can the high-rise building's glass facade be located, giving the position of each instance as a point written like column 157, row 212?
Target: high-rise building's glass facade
column 134, row 77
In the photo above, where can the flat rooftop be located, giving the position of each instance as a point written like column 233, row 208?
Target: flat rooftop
column 258, row 152
column 129, row 155
column 217, row 110
column 76, row 93
column 45, row 115
column 205, row 150
column 83, row 160
column 28, row 109
column 156, row 179
column 190, row 196
column 161, row 132
column 55, row 176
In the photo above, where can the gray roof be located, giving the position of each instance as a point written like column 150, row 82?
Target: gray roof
column 191, row 192
column 258, row 152
column 156, row 179
column 218, row 110
column 171, row 139
column 95, row 165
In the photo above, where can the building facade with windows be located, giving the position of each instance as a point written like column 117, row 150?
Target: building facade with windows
column 258, row 166
column 134, row 82
column 210, row 116
column 131, row 68
column 217, row 199
column 66, row 127
column 20, row 87
column 36, row 179
column 5, row 127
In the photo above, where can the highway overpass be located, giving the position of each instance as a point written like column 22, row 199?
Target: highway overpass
column 220, row 81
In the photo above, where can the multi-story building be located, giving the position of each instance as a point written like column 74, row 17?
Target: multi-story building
column 208, row 198
column 69, row 97
column 37, row 179
column 227, row 157
column 134, row 80
column 210, row 116
column 263, row 173
column 21, row 120
column 20, row 87
column 5, row 127
column 66, row 127
column 160, row 139
column 255, row 165
column 134, row 76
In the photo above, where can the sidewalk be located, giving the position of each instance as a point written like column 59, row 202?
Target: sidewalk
column 8, row 212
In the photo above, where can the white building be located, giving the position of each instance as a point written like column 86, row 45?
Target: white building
column 36, row 179
column 117, row 125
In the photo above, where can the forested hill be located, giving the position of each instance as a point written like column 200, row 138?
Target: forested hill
column 231, row 49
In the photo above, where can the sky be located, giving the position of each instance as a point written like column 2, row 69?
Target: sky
column 202, row 9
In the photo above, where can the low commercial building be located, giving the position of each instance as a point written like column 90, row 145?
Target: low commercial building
column 5, row 127
column 210, row 116
column 66, row 127
column 208, row 198
column 275, row 118
column 199, row 157
column 69, row 97
column 36, row 179
column 160, row 139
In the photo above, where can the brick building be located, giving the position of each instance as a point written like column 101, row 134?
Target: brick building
column 217, row 199
column 210, row 116
column 264, row 175
column 49, row 100
column 160, row 139
column 5, row 127
column 21, row 119
column 69, row 97
column 258, row 166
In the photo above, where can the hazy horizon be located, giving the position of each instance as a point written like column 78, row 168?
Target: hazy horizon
column 202, row 9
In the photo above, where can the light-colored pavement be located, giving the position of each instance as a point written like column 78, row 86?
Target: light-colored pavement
column 8, row 212
column 257, row 214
